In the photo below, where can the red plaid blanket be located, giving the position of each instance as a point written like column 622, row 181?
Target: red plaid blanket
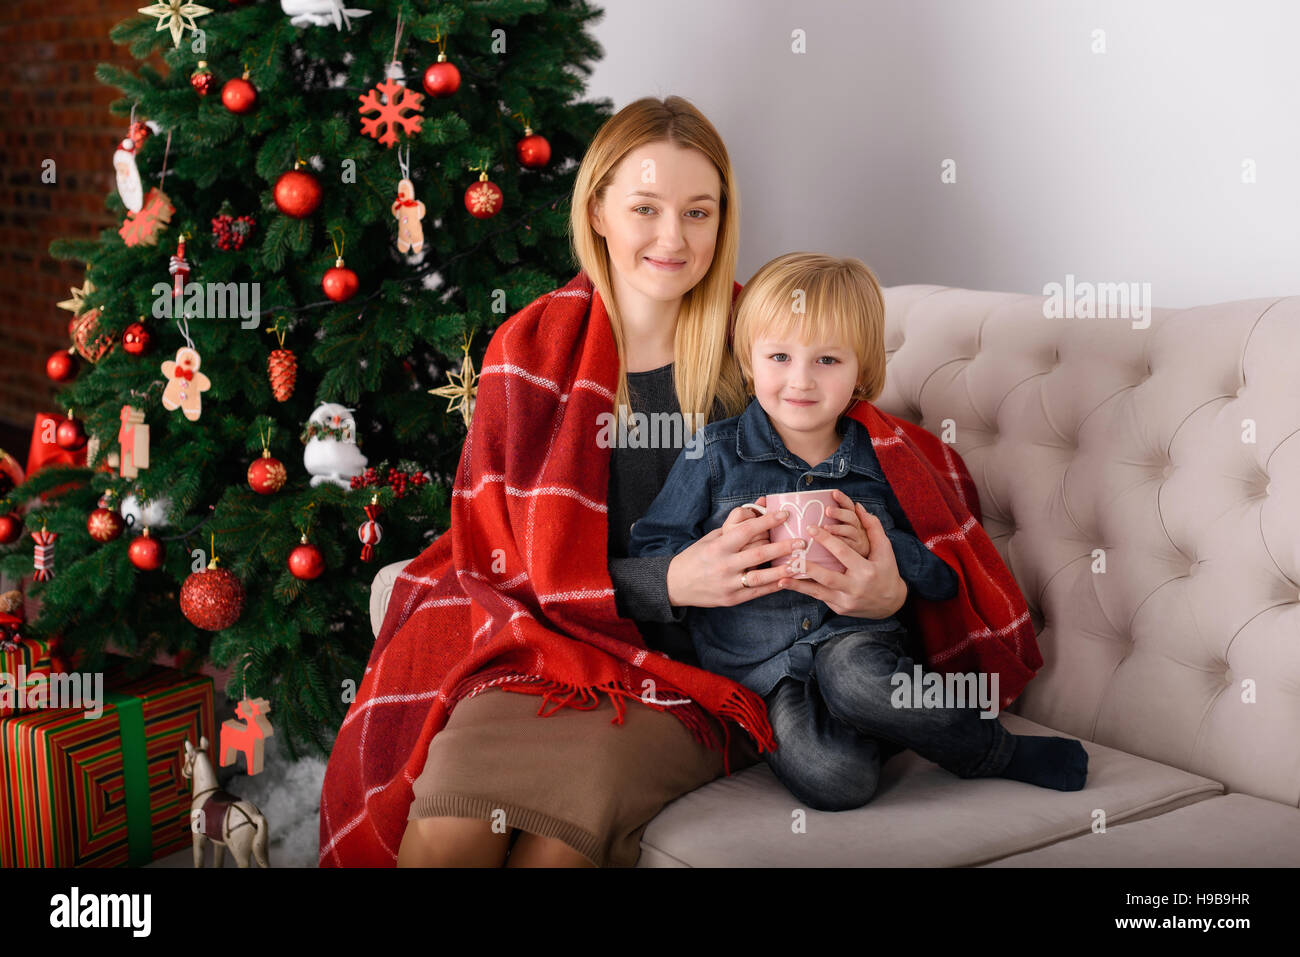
column 517, row 593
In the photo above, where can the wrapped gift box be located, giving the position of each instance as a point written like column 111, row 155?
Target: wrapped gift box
column 106, row 791
column 24, row 663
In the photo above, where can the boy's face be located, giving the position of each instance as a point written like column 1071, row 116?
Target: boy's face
column 803, row 388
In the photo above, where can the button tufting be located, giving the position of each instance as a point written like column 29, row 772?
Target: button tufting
column 1168, row 470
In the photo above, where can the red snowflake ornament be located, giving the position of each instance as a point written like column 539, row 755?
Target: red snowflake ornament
column 142, row 228
column 392, row 101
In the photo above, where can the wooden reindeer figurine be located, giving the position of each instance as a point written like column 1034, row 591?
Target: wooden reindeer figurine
column 247, row 736
column 221, row 817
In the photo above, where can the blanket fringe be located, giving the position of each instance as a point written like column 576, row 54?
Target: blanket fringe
column 735, row 708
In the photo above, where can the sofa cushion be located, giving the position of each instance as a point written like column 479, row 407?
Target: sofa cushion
column 921, row 815
column 1236, row 830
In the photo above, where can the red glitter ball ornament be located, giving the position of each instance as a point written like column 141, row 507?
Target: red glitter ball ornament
column 202, row 80
column 339, row 282
column 212, row 599
column 297, row 193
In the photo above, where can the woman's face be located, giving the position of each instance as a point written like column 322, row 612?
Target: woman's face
column 660, row 219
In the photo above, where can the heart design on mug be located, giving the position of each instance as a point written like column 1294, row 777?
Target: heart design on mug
column 800, row 516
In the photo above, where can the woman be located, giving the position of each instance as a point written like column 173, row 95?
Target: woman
column 654, row 227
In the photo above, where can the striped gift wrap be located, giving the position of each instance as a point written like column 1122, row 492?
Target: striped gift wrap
column 108, row 791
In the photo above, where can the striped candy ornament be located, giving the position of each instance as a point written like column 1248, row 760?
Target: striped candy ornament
column 44, row 555
column 370, row 532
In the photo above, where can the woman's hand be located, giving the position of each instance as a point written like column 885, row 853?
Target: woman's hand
column 869, row 587
column 848, row 526
column 706, row 574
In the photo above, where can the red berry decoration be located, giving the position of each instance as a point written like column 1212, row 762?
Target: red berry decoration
column 339, row 282
column 442, row 78
column 297, row 193
column 306, row 561
column 533, row 151
column 202, row 80
column 146, row 553
column 70, row 435
column 11, row 528
column 212, row 599
column 267, row 475
column 483, row 199
column 232, row 232
column 104, row 524
column 61, row 366
column 136, row 339
column 238, row 95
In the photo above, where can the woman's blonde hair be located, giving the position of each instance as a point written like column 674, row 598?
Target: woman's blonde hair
column 704, row 369
column 815, row 298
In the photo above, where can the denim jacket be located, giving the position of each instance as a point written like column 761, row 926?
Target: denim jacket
column 759, row 641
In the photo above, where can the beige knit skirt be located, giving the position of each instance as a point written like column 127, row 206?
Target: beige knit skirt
column 572, row 775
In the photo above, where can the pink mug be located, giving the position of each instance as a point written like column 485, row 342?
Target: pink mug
column 804, row 508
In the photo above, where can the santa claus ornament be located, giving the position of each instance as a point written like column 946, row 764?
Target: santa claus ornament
column 185, row 383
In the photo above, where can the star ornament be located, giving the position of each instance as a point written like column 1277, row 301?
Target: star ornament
column 75, row 304
column 175, row 15
column 461, row 391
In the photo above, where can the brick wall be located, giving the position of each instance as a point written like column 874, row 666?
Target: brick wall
column 53, row 107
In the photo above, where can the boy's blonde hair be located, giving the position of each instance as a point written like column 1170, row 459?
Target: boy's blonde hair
column 704, row 370
column 810, row 297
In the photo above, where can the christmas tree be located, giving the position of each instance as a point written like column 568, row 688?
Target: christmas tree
column 325, row 212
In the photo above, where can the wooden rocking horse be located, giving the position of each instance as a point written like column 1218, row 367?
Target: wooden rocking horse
column 221, row 817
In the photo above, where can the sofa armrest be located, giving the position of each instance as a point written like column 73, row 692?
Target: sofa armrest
column 381, row 590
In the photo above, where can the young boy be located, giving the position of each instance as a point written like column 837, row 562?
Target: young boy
column 809, row 337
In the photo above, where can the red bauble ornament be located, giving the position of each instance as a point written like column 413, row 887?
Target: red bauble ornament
column 11, row 528
column 146, row 553
column 339, row 282
column 70, row 435
column 442, row 78
column 212, row 599
column 136, row 339
column 61, row 366
column 297, row 193
column 202, row 80
column 306, row 561
column 238, row 95
column 483, row 199
column 267, row 475
column 104, row 524
column 533, row 151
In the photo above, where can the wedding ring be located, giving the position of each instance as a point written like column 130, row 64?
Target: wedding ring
column 742, row 579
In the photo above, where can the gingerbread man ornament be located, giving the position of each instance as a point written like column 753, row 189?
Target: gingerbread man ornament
column 409, row 211
column 185, row 383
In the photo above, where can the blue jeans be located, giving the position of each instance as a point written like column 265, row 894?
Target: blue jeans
column 834, row 730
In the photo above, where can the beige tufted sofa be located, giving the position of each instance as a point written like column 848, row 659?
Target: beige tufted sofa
column 1143, row 486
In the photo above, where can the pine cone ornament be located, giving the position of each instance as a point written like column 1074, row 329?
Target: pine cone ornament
column 282, row 367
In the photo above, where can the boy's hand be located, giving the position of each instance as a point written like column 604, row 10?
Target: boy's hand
column 847, row 526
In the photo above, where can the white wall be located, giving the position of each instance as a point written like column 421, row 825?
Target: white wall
column 1122, row 166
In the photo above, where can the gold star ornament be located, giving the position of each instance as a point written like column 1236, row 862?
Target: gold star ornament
column 464, row 385
column 175, row 15
column 76, row 303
